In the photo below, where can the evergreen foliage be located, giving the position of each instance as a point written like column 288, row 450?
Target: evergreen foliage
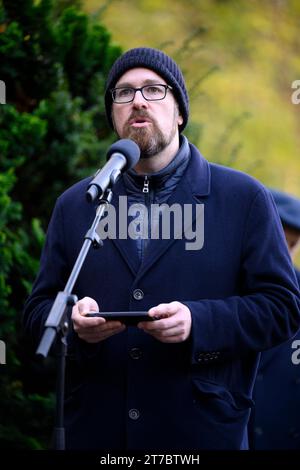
column 53, row 60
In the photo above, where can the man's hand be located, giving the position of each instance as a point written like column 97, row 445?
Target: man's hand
column 174, row 324
column 93, row 329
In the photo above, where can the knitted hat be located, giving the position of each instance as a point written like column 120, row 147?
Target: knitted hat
column 160, row 63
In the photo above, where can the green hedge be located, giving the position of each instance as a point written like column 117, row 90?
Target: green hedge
column 53, row 132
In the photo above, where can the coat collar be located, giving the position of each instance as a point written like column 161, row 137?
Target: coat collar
column 198, row 173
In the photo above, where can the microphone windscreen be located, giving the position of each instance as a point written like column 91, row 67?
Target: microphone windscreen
column 129, row 149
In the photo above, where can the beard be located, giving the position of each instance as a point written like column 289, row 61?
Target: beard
column 150, row 139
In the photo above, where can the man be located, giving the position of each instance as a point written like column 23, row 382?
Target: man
column 276, row 417
column 183, row 381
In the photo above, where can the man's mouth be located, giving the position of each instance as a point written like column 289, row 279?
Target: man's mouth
column 139, row 122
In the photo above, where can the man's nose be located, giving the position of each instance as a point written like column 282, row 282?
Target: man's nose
column 139, row 101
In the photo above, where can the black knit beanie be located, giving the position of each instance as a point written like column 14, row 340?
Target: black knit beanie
column 160, row 63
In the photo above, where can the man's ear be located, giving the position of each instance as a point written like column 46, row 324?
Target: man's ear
column 179, row 120
column 179, row 117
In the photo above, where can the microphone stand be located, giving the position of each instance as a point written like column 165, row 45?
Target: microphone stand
column 57, row 322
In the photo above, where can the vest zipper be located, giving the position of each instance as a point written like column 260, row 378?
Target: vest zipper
column 146, row 185
column 146, row 191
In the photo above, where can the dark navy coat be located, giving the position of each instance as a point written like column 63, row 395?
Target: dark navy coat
column 276, row 419
column 134, row 392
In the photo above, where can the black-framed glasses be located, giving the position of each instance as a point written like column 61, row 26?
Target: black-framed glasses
column 153, row 92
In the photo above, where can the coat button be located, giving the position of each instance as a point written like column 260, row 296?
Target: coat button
column 135, row 353
column 138, row 294
column 134, row 414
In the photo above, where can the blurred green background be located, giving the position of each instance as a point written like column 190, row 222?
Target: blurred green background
column 239, row 58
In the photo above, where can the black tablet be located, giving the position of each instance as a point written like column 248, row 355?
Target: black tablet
column 128, row 318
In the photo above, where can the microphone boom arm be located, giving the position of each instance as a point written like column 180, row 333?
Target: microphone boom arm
column 56, row 321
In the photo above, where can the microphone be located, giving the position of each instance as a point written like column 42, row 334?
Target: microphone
column 121, row 156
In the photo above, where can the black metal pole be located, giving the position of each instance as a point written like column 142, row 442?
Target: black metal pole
column 57, row 321
column 59, row 430
column 57, row 317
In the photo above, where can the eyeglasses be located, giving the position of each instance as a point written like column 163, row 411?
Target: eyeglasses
column 149, row 93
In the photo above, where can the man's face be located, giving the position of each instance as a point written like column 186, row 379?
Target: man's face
column 153, row 125
column 293, row 239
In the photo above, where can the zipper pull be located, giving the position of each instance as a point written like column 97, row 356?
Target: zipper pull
column 146, row 185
